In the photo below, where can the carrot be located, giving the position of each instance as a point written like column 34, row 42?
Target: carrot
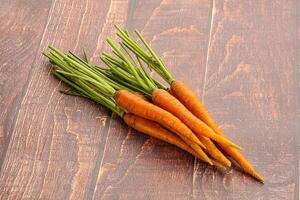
column 155, row 130
column 189, row 99
column 214, row 152
column 136, row 105
column 211, row 149
column 165, row 100
column 198, row 150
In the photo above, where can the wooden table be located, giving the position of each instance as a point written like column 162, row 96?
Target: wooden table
column 241, row 57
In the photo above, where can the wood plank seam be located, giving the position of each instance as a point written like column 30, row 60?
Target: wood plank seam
column 244, row 30
column 202, row 90
column 102, row 145
column 131, row 8
column 297, row 88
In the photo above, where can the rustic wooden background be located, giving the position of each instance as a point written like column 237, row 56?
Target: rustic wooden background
column 241, row 57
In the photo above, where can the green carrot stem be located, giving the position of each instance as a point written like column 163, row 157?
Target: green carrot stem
column 90, row 93
column 167, row 75
column 86, row 78
column 152, row 60
column 67, row 68
column 128, row 53
column 110, row 90
column 123, row 74
column 91, row 81
column 130, row 67
column 71, row 92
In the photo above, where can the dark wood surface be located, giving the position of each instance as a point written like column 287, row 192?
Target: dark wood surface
column 240, row 57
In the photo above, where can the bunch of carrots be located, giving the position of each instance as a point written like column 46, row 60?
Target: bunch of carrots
column 171, row 113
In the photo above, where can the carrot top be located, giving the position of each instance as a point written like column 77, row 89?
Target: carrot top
column 148, row 55
column 86, row 80
column 132, row 68
column 129, row 69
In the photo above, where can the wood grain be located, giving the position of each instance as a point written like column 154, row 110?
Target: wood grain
column 57, row 140
column 297, row 93
column 240, row 57
column 249, row 89
column 135, row 166
column 21, row 29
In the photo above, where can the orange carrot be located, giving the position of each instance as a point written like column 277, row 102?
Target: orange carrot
column 191, row 102
column 198, row 150
column 214, row 152
column 142, row 108
column 211, row 149
column 155, row 130
column 189, row 99
column 220, row 159
column 165, row 100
